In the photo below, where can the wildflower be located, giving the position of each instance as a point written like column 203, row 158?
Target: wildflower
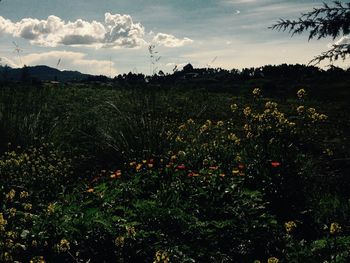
column 247, row 127
column 301, row 93
column 273, row 260
column 116, row 174
column 334, row 228
column 50, row 209
column 270, row 105
column 11, row 194
column 138, row 167
column 119, row 241
column 150, row 165
column 205, row 162
column 241, row 166
column 213, row 167
column 193, row 174
column 220, row 123
column 182, row 127
column 300, row 109
column 234, row 107
column 27, row 207
column 34, row 243
column 329, row 152
column 181, row 154
column 222, row 175
column 275, row 164
column 131, row 231
column 256, row 92
column 90, row 190
column 181, row 167
column 12, row 212
column 190, row 121
column 247, row 111
column 235, row 172
column 39, row 259
column 64, row 245
column 23, row 194
column 290, row 226
column 132, row 164
column 6, row 257
column 3, row 222
column 233, row 137
column 161, row 256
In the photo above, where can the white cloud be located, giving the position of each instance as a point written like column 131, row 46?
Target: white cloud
column 170, row 40
column 72, row 61
column 116, row 31
column 343, row 40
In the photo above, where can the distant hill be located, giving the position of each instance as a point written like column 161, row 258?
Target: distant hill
column 42, row 73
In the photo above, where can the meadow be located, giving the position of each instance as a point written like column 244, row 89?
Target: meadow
column 103, row 173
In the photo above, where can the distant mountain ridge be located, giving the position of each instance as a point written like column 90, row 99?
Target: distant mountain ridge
column 41, row 73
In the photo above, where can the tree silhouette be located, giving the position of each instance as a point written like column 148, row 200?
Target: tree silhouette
column 333, row 21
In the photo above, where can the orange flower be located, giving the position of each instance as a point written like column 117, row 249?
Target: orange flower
column 138, row 167
column 275, row 164
column 90, row 190
column 116, row 174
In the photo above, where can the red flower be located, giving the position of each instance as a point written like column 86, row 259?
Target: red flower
column 181, row 167
column 275, row 164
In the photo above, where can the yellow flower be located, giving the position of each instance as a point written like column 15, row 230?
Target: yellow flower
column 119, row 241
column 50, row 209
column 301, row 93
column 334, row 228
column 329, row 152
column 256, row 92
column 220, row 123
column 27, row 207
column 37, row 260
column 190, row 121
column 64, row 245
column 290, row 226
column 12, row 212
column 182, row 127
column 131, row 231
column 23, row 194
column 11, row 194
column 273, row 260
column 270, row 105
column 247, row 111
column 234, row 107
column 234, row 138
column 3, row 222
column 235, row 172
column 300, row 109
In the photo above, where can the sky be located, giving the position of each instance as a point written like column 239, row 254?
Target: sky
column 112, row 37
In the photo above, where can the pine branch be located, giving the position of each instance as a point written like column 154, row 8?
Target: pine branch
column 321, row 22
column 341, row 51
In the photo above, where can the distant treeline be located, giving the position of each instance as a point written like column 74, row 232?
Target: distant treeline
column 208, row 75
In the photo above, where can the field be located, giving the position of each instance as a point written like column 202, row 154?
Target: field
column 257, row 171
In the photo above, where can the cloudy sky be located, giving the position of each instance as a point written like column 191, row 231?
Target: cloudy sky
column 112, row 36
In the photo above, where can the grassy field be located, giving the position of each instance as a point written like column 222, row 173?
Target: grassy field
column 157, row 174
